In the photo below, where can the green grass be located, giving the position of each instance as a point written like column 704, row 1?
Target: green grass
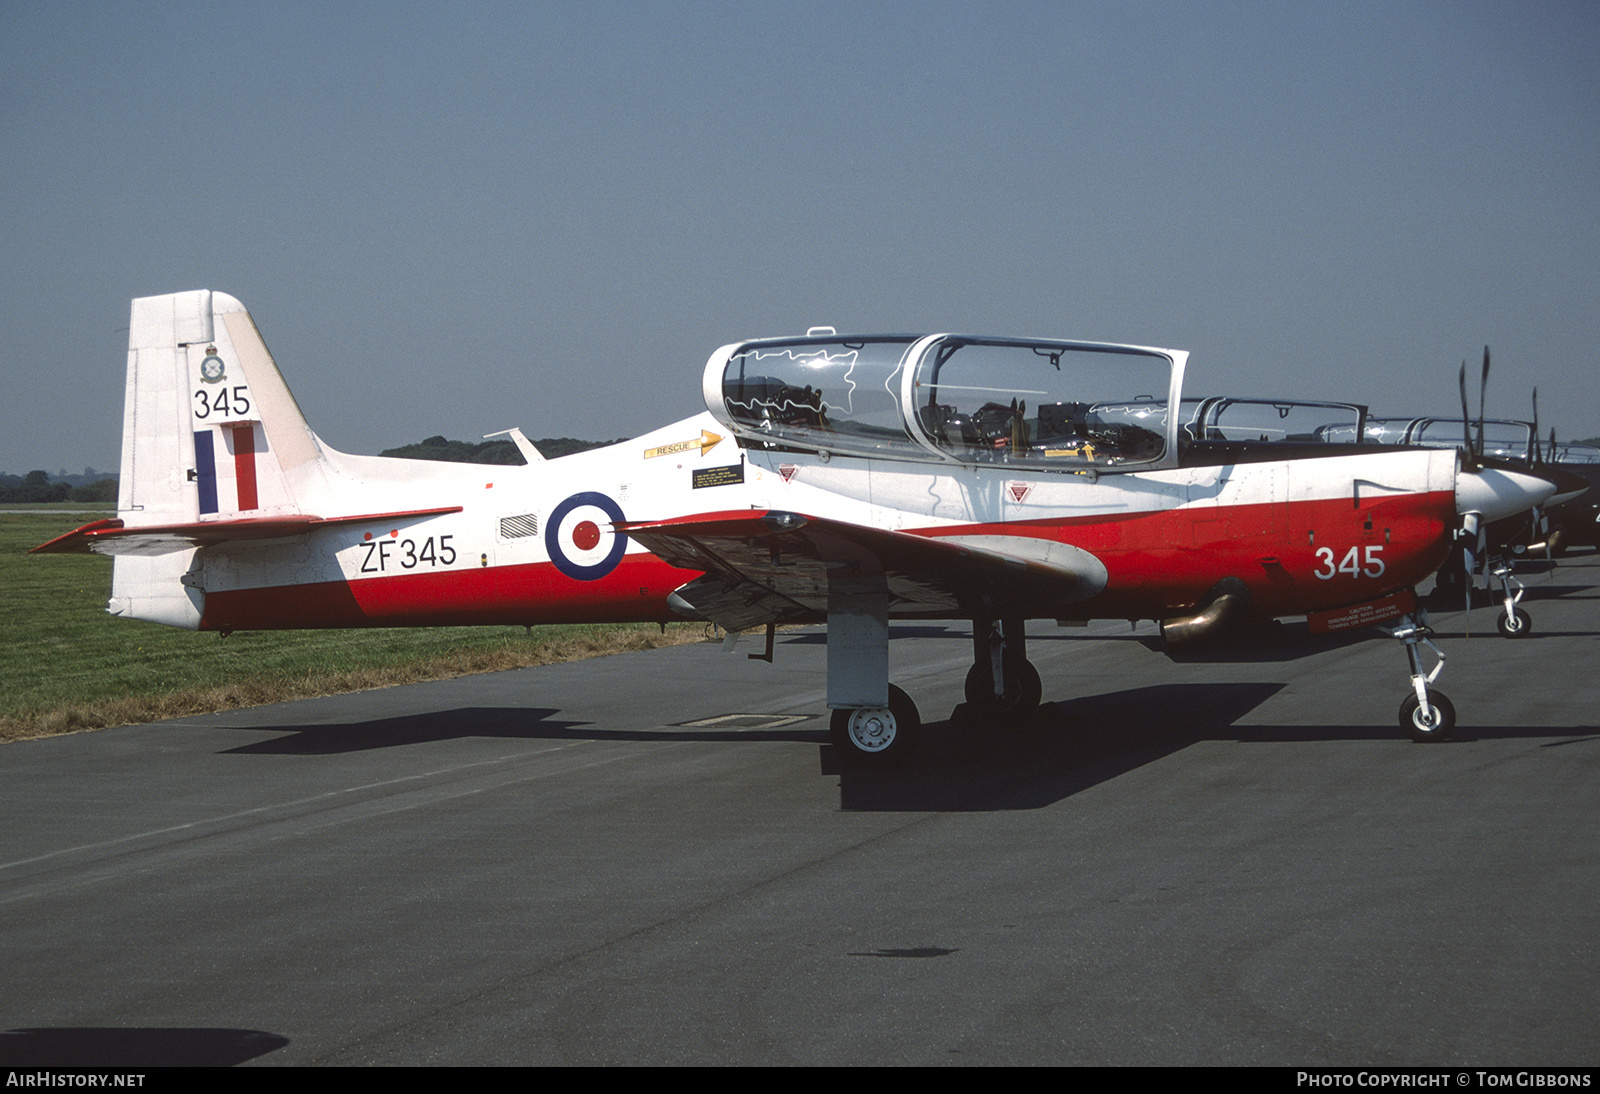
column 66, row 665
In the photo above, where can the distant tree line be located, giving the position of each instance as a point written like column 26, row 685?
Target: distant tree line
column 36, row 487
column 98, row 486
column 496, row 451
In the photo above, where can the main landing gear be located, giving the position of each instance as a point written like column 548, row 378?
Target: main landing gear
column 1426, row 714
column 1002, row 681
column 879, row 736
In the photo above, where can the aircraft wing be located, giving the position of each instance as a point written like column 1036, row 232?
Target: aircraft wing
column 774, row 567
column 112, row 537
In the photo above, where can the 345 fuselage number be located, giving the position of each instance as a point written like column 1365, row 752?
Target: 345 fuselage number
column 1354, row 563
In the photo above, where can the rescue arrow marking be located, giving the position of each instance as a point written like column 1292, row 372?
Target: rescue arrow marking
column 705, row 443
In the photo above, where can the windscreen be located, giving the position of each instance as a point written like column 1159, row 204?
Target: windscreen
column 839, row 395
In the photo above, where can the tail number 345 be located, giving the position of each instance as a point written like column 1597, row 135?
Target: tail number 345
column 1357, row 562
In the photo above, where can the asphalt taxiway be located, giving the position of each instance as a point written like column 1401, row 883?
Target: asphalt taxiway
column 1232, row 858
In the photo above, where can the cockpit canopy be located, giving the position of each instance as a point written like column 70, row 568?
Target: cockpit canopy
column 1043, row 404
column 1275, row 421
column 1509, row 439
column 1575, row 453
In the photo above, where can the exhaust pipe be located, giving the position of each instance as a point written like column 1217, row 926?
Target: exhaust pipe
column 1550, row 546
column 1226, row 608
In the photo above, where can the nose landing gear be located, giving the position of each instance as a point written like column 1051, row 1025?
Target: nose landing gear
column 1427, row 714
column 1513, row 621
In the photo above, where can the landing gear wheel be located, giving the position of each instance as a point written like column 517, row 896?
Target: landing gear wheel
column 1425, row 726
column 877, row 736
column 1516, row 625
column 1023, row 689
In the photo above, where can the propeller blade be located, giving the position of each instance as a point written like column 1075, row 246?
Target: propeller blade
column 1538, row 456
column 1466, row 417
column 1483, row 392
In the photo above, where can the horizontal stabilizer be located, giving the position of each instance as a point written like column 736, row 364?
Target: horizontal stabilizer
column 112, row 537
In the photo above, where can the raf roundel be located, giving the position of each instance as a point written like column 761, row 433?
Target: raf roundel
column 580, row 538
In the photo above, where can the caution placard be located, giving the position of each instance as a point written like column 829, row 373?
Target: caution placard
column 1369, row 614
column 717, row 476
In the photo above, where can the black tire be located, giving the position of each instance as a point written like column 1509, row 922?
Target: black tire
column 1517, row 625
column 1023, row 689
column 1421, row 729
column 868, row 737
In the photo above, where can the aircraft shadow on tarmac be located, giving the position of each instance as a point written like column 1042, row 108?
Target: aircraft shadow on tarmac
column 514, row 723
column 1450, row 600
column 1061, row 749
column 819, row 637
column 1268, row 643
column 961, row 764
column 1558, row 592
column 1074, row 744
column 69, row 1046
column 327, row 739
column 1486, row 632
column 1118, row 720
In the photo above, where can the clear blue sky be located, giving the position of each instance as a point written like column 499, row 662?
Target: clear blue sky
column 457, row 218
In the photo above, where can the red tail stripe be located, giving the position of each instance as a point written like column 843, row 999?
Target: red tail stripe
column 244, row 463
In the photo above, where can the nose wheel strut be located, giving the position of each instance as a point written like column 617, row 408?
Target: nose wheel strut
column 1513, row 621
column 1427, row 714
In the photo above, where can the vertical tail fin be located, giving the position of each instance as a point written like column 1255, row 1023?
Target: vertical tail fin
column 210, row 432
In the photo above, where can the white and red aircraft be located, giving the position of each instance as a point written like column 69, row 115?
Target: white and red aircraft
column 845, row 479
